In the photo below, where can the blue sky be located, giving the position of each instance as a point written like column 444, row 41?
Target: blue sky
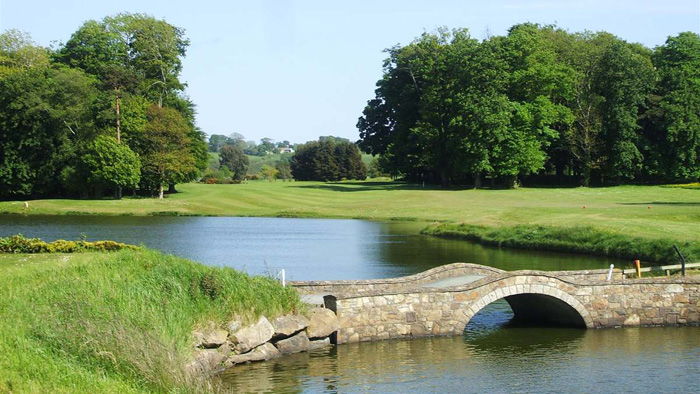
column 295, row 70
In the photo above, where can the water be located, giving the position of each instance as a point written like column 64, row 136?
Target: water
column 308, row 249
column 494, row 355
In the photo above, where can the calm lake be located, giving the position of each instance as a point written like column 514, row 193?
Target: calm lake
column 308, row 249
column 491, row 356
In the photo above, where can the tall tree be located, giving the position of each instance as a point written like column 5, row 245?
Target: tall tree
column 233, row 157
column 624, row 80
column 44, row 114
column 166, row 158
column 675, row 139
column 109, row 164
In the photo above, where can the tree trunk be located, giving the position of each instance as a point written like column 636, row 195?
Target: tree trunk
column 171, row 188
column 477, row 180
column 160, row 192
column 444, row 179
column 511, row 181
column 587, row 171
column 119, row 135
column 118, row 193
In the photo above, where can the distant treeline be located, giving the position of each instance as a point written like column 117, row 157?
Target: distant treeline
column 588, row 107
column 267, row 146
column 102, row 112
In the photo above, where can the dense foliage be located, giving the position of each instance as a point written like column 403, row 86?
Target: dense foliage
column 328, row 159
column 20, row 244
column 235, row 160
column 90, row 117
column 538, row 101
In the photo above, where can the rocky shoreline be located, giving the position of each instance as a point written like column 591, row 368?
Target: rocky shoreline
column 217, row 349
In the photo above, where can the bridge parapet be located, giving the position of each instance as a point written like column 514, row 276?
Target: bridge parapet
column 579, row 298
column 392, row 284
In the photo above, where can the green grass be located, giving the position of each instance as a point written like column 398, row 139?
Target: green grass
column 674, row 213
column 577, row 239
column 117, row 322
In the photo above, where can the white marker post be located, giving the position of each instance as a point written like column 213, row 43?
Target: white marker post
column 610, row 271
column 284, row 283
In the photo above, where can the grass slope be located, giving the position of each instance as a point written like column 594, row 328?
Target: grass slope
column 674, row 212
column 577, row 239
column 117, row 322
column 257, row 162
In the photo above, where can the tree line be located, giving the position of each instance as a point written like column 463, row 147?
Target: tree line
column 539, row 101
column 265, row 147
column 328, row 159
column 102, row 112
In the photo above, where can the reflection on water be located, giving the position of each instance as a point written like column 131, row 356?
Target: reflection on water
column 492, row 356
column 307, row 249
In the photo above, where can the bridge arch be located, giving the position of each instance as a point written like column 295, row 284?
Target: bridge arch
column 542, row 302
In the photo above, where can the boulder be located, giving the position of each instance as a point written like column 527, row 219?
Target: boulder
column 211, row 338
column 288, row 325
column 260, row 353
column 319, row 343
column 323, row 323
column 295, row 344
column 205, row 361
column 252, row 336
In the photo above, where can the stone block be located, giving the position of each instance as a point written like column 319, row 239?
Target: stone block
column 681, row 298
column 286, row 326
column 296, row 344
column 252, row 336
column 632, row 320
column 211, row 338
column 323, row 322
column 265, row 351
column 319, row 343
column 205, row 361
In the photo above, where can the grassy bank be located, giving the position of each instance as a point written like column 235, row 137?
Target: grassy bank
column 639, row 211
column 577, row 239
column 116, row 322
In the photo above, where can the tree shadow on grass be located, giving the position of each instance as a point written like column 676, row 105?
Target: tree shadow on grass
column 677, row 203
column 363, row 186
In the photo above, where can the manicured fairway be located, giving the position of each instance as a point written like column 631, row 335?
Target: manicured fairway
column 648, row 211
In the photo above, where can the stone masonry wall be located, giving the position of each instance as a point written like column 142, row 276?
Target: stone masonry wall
column 376, row 314
column 408, row 282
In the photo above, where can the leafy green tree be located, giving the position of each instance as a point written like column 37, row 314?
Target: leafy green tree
column 45, row 113
column 328, row 160
column 675, row 131
column 284, row 170
column 166, row 158
column 233, row 157
column 270, row 173
column 18, row 52
column 110, row 164
column 218, row 141
column 128, row 45
column 625, row 79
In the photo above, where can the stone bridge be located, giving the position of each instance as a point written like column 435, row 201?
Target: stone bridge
column 441, row 301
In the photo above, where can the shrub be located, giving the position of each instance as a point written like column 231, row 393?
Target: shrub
column 21, row 244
